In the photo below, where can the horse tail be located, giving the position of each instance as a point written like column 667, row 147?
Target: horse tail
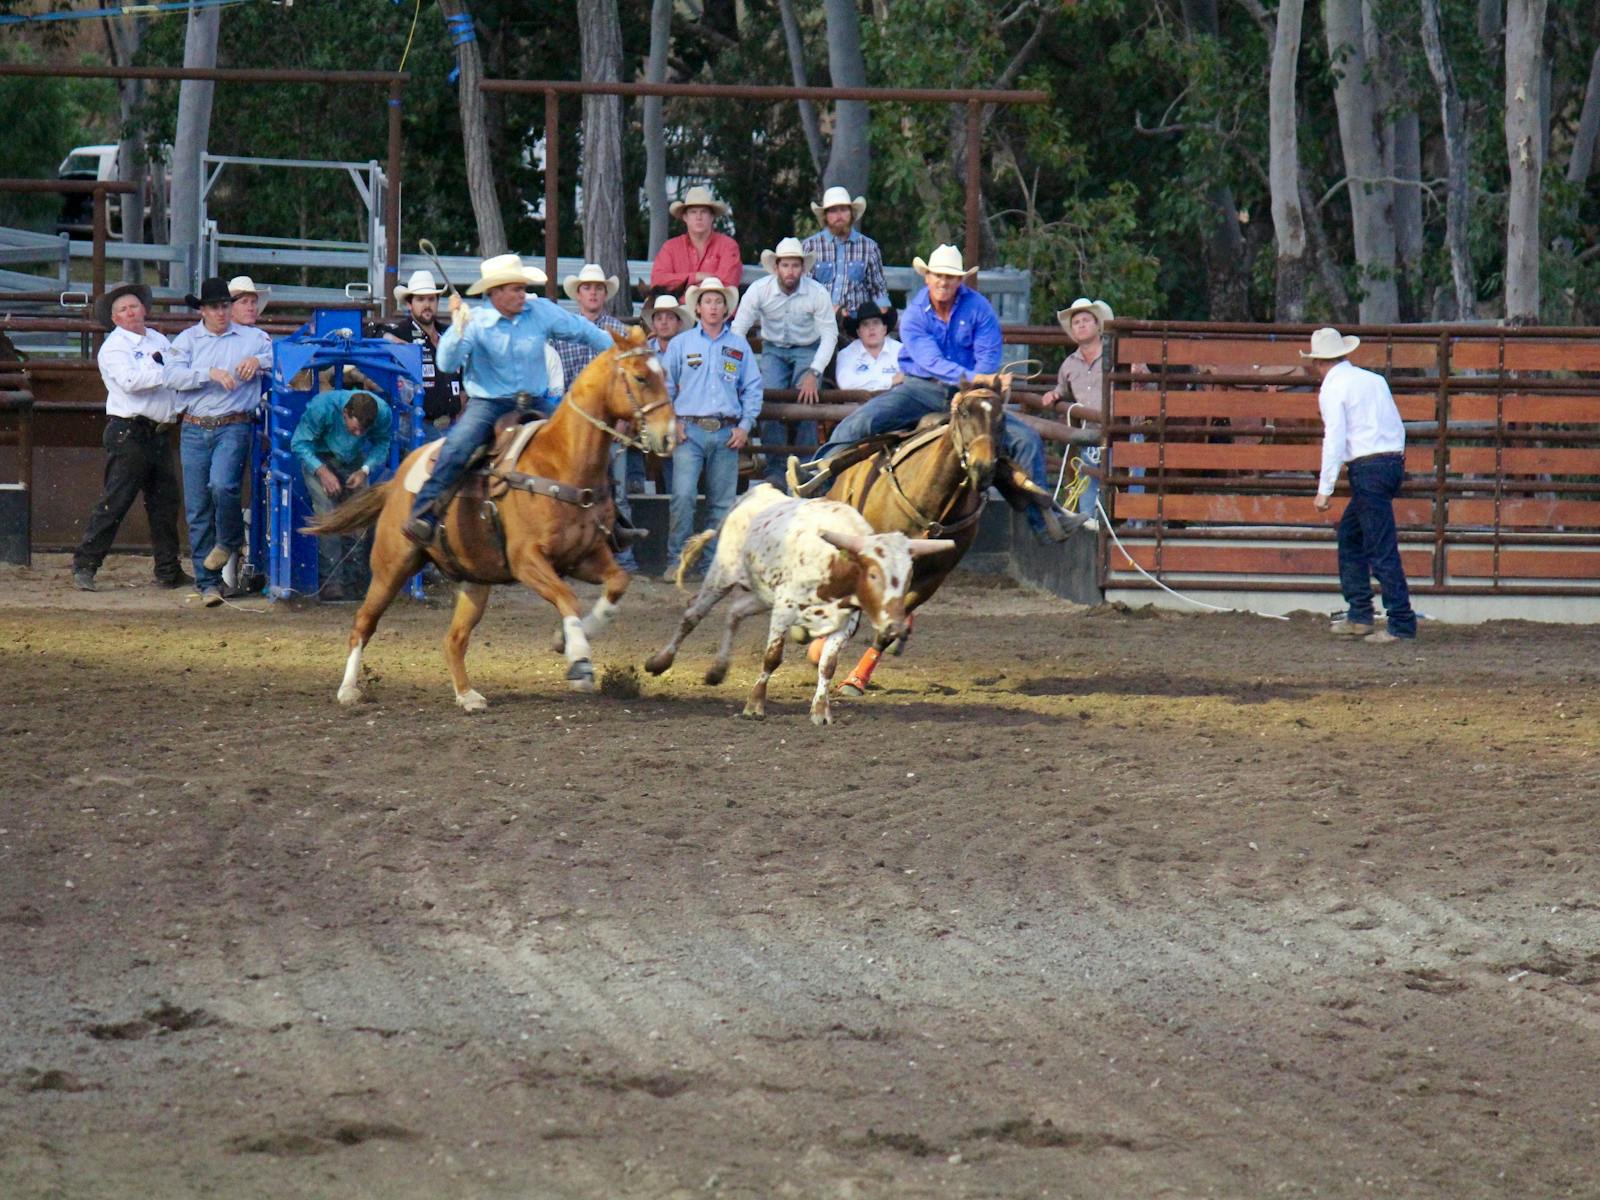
column 692, row 550
column 356, row 513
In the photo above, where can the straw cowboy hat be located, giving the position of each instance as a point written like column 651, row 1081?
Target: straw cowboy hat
column 836, row 197
column 698, row 197
column 867, row 312
column 790, row 247
column 591, row 273
column 691, row 298
column 102, row 306
column 243, row 285
column 1100, row 309
column 667, row 303
column 1327, row 343
column 421, row 283
column 945, row 260
column 503, row 269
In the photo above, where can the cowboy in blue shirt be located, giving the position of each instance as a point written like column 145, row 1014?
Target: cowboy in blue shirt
column 949, row 333
column 499, row 349
column 715, row 387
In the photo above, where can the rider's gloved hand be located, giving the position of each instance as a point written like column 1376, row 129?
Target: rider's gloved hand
column 460, row 314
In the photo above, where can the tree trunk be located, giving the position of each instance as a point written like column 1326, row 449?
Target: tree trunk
column 1283, row 175
column 474, row 130
column 1524, row 150
column 655, row 133
column 189, row 141
column 1491, row 20
column 1458, row 161
column 1406, row 140
column 1371, row 213
column 604, row 222
column 1227, row 282
column 1583, row 141
column 797, row 70
column 850, row 157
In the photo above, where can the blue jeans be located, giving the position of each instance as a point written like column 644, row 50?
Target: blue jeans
column 213, row 477
column 782, row 367
column 473, row 428
column 619, row 495
column 903, row 406
column 1093, row 458
column 344, row 560
column 701, row 450
column 1368, row 545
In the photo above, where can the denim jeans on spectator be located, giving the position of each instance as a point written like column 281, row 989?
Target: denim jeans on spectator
column 1369, row 545
column 619, row 496
column 782, row 367
column 213, row 478
column 344, row 560
column 701, row 450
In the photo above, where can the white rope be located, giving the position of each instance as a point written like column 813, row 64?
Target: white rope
column 1186, row 599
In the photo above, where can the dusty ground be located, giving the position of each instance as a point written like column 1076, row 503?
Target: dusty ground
column 1077, row 904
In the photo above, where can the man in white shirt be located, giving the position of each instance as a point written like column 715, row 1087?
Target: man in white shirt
column 1363, row 432
column 141, row 412
column 870, row 363
column 798, row 334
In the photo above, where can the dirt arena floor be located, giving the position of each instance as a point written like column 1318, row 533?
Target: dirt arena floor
column 1076, row 904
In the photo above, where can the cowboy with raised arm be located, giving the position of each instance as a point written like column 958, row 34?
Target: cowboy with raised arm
column 847, row 262
column 499, row 348
column 699, row 254
column 950, row 336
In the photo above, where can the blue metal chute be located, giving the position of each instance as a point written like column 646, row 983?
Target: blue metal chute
column 280, row 506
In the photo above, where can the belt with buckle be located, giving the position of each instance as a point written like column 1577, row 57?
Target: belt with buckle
column 147, row 424
column 712, row 424
column 238, row 418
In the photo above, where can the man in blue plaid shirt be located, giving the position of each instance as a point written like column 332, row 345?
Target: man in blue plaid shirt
column 848, row 263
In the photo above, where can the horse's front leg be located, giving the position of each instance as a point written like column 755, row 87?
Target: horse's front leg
column 471, row 600
column 601, row 567
column 533, row 570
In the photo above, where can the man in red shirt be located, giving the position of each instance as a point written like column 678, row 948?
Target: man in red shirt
column 702, row 253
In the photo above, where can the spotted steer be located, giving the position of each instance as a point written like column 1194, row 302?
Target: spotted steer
column 817, row 565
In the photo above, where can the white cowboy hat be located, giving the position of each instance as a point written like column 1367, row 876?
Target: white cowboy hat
column 790, row 247
column 502, row 269
column 945, row 260
column 691, row 298
column 698, row 197
column 1101, row 310
column 1327, row 343
column 836, row 197
column 421, row 283
column 668, row 304
column 241, row 285
column 591, row 273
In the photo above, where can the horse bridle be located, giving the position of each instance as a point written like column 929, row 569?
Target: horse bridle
column 934, row 527
column 640, row 411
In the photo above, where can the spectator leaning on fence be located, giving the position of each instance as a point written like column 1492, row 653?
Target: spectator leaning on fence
column 141, row 409
column 1078, row 391
column 716, row 391
column 418, row 324
column 700, row 253
column 871, row 362
column 1362, row 432
column 798, row 334
column 846, row 261
column 342, row 441
column 224, row 362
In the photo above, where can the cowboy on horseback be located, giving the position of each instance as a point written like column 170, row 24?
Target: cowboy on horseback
column 950, row 336
column 499, row 350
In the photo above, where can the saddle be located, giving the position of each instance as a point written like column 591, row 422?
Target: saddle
column 512, row 433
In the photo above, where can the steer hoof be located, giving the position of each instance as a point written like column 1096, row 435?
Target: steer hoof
column 754, row 712
column 580, row 676
column 471, row 700
column 822, row 716
column 716, row 673
column 349, row 696
column 658, row 662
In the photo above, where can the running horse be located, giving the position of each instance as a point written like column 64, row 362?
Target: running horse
column 932, row 484
column 545, row 517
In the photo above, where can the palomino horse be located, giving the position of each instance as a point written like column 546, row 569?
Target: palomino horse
column 553, row 521
column 933, row 484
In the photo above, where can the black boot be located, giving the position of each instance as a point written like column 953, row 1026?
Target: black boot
column 625, row 533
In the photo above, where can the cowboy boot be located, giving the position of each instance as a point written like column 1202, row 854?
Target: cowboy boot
column 816, row 485
column 625, row 533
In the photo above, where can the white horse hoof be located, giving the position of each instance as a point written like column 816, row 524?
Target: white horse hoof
column 349, row 696
column 471, row 700
column 580, row 676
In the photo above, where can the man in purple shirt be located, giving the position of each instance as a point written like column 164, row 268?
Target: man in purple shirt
column 949, row 333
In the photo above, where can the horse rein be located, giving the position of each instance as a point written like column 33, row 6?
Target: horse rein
column 934, row 527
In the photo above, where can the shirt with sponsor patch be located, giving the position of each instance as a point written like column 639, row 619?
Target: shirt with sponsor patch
column 713, row 377
column 856, row 370
column 137, row 383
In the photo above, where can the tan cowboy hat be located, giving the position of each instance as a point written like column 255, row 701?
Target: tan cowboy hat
column 1327, row 343
column 102, row 307
column 503, row 269
column 1101, row 310
column 668, row 304
column 243, row 285
column 945, row 260
column 591, row 273
column 698, row 197
column 691, row 298
column 790, row 247
column 421, row 283
column 836, row 197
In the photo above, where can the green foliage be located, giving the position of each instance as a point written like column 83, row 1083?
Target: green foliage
column 45, row 118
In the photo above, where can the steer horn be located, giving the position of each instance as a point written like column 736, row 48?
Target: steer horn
column 921, row 546
column 851, row 543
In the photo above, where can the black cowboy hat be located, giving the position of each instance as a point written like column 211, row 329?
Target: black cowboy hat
column 212, row 291
column 867, row 312
column 102, row 306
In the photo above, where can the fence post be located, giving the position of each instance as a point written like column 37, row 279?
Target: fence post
column 1441, row 459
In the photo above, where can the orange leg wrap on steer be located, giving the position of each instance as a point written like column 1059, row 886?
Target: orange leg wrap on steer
column 862, row 675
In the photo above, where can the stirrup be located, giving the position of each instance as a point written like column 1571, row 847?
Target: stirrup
column 807, row 489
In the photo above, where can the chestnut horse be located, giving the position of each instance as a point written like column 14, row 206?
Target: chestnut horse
column 554, row 521
column 933, row 484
